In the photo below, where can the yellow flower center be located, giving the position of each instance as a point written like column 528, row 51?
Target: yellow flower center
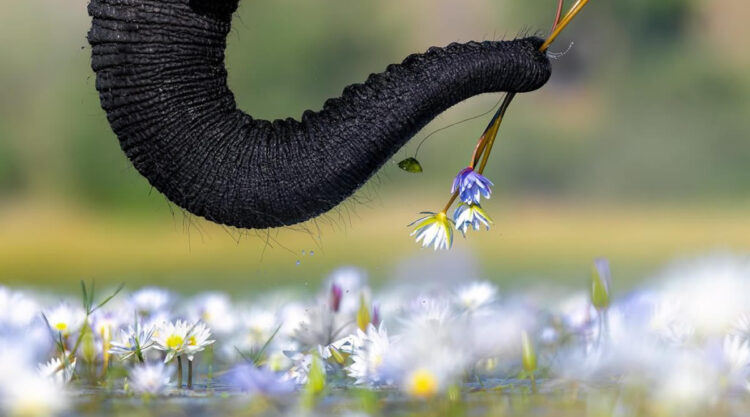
column 422, row 384
column 61, row 326
column 174, row 341
column 191, row 341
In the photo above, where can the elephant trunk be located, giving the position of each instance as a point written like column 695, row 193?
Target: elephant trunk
column 162, row 81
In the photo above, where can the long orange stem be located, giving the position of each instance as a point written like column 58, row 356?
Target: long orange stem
column 558, row 14
column 563, row 23
column 483, row 148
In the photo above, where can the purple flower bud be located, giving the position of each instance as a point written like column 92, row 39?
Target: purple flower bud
column 336, row 294
column 376, row 316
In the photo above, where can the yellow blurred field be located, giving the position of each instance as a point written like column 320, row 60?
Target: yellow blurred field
column 532, row 242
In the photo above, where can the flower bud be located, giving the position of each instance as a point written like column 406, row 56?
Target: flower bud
column 600, row 284
column 363, row 314
column 528, row 356
column 376, row 316
column 336, row 294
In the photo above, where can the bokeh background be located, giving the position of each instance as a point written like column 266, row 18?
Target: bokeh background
column 636, row 150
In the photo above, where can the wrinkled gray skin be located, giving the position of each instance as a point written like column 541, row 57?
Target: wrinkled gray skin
column 161, row 78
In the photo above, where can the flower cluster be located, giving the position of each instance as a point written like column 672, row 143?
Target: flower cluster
column 436, row 229
column 687, row 339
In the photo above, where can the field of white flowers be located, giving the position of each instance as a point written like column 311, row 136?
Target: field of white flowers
column 679, row 346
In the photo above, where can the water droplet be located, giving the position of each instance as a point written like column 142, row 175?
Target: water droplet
column 298, row 262
column 312, row 253
column 303, row 252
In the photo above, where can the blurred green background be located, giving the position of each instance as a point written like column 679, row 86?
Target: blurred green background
column 636, row 150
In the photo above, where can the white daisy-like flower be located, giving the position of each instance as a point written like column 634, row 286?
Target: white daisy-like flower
column 741, row 327
column 471, row 215
column 424, row 372
column 476, row 295
column 435, row 230
column 421, row 383
column 426, row 311
column 30, row 394
column 258, row 325
column 368, row 355
column 711, row 292
column 689, row 384
column 65, row 319
column 16, row 309
column 182, row 338
column 668, row 322
column 736, row 354
column 150, row 378
column 133, row 341
column 58, row 372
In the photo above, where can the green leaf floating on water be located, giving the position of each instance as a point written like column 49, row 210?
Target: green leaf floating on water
column 410, row 165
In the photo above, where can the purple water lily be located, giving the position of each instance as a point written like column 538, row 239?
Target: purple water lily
column 261, row 381
column 471, row 186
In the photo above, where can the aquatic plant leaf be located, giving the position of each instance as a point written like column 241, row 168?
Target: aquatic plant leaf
column 410, row 165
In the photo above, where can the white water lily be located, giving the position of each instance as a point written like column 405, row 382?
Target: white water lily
column 368, row 355
column 471, row 215
column 133, row 341
column 476, row 295
column 152, row 378
column 736, row 355
column 17, row 309
column 65, row 319
column 32, row 395
column 435, row 230
column 57, row 371
column 181, row 338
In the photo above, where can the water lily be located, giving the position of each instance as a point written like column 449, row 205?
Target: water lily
column 471, row 215
column 421, row 383
column 133, row 341
column 17, row 309
column 476, row 295
column 368, row 355
column 65, row 319
column 180, row 338
column 32, row 395
column 151, row 378
column 261, row 381
column 435, row 230
column 471, row 186
column 736, row 354
column 57, row 371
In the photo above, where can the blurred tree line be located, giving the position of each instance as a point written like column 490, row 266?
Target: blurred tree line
column 644, row 104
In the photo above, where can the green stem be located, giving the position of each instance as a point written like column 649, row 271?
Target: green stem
column 190, row 374
column 179, row 372
column 209, row 357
